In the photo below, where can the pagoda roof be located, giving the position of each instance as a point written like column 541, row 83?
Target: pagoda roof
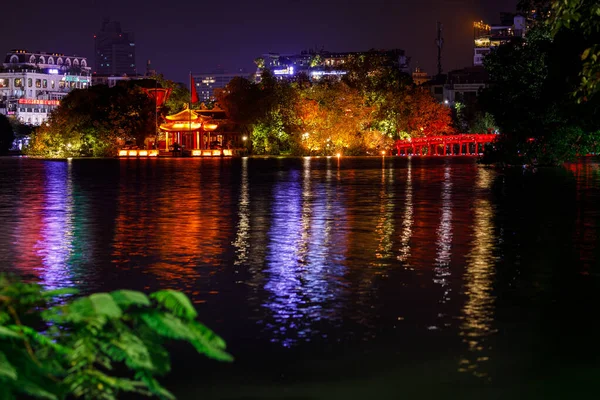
column 181, row 126
column 185, row 115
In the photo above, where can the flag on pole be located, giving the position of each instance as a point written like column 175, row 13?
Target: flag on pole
column 194, row 93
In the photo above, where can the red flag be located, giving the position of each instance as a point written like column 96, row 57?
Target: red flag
column 194, row 94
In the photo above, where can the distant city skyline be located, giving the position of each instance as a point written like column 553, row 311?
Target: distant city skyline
column 231, row 38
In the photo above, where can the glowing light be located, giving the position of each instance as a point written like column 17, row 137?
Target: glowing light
column 227, row 152
column 284, row 71
column 40, row 102
column 244, row 138
column 53, row 71
column 383, row 153
column 132, row 153
column 321, row 73
column 143, row 153
column 338, row 155
column 122, row 153
column 196, row 152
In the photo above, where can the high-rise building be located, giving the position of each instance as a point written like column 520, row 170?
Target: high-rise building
column 488, row 37
column 206, row 83
column 114, row 50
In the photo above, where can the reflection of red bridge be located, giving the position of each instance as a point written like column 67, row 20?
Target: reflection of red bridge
column 448, row 145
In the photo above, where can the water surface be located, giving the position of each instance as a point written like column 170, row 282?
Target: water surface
column 331, row 278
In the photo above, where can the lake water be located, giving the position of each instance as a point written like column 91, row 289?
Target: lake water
column 351, row 278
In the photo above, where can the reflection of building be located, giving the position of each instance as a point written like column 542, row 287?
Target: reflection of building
column 114, row 50
column 206, row 83
column 318, row 64
column 32, row 84
column 487, row 37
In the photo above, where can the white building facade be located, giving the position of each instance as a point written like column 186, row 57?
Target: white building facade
column 32, row 84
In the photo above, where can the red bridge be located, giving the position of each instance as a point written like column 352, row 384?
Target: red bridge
column 448, row 145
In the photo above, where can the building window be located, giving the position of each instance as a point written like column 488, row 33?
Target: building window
column 18, row 82
column 83, row 63
column 3, row 82
column 50, row 60
column 61, row 84
column 14, row 59
column 45, row 83
column 29, row 82
column 30, row 110
column 76, row 62
column 41, row 60
column 52, row 84
column 32, row 60
column 59, row 61
column 38, row 83
column 21, row 109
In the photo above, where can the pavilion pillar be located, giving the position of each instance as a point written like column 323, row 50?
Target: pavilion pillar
column 197, row 140
column 413, row 150
column 460, row 145
column 476, row 148
column 167, row 141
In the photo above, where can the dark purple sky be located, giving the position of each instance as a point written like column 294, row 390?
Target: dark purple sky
column 180, row 36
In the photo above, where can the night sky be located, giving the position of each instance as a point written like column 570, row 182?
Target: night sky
column 200, row 36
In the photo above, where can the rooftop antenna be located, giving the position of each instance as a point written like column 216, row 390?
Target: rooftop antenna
column 439, row 43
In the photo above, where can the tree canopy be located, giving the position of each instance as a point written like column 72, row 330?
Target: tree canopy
column 362, row 113
column 530, row 96
column 92, row 122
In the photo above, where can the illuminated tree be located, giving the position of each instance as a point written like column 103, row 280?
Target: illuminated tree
column 92, row 122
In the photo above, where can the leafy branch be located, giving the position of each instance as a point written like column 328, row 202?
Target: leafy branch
column 54, row 346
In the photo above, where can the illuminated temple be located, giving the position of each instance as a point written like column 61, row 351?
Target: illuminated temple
column 188, row 133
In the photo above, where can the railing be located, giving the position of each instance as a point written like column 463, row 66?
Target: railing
column 430, row 146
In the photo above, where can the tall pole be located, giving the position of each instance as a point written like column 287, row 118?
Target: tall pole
column 439, row 42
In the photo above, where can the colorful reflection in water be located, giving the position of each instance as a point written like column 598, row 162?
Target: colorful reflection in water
column 389, row 262
column 55, row 246
column 478, row 311
column 407, row 218
column 301, row 276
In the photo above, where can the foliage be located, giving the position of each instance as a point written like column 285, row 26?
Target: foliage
column 583, row 17
column 180, row 95
column 21, row 130
column 483, row 122
column 360, row 114
column 530, row 94
column 93, row 347
column 7, row 135
column 92, row 122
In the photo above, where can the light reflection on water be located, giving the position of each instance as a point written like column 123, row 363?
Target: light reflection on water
column 55, row 246
column 478, row 311
column 294, row 253
column 301, row 276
